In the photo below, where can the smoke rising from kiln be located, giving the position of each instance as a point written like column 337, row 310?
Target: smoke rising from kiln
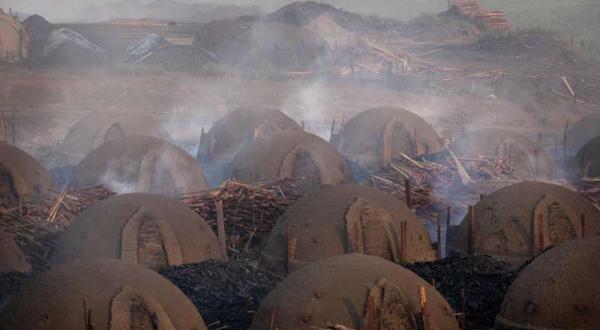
column 309, row 104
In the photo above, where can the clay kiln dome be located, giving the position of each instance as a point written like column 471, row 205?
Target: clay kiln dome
column 232, row 132
column 558, row 290
column 12, row 258
column 335, row 291
column 291, row 154
column 98, row 127
column 582, row 131
column 530, row 159
column 589, row 158
column 21, row 176
column 376, row 136
column 116, row 295
column 146, row 229
column 344, row 219
column 521, row 220
column 138, row 163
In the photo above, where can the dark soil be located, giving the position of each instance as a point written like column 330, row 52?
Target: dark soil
column 484, row 279
column 227, row 294
column 10, row 284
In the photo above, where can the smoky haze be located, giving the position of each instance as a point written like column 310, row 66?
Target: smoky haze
column 87, row 10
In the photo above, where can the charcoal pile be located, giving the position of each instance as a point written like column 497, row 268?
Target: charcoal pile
column 10, row 284
column 250, row 211
column 37, row 226
column 227, row 294
column 484, row 280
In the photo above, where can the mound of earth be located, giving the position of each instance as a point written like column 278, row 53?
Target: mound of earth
column 39, row 29
column 175, row 58
column 218, row 34
column 301, row 13
column 227, row 294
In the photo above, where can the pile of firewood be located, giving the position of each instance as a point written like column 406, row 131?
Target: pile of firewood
column 490, row 168
column 428, row 184
column 472, row 9
column 36, row 227
column 435, row 185
column 249, row 211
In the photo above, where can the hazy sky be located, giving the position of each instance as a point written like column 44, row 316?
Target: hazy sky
column 59, row 10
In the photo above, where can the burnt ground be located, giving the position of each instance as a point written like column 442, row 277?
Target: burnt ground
column 227, row 294
column 10, row 284
column 485, row 282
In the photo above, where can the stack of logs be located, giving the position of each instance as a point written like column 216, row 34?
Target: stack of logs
column 434, row 185
column 428, row 184
column 472, row 9
column 249, row 211
column 36, row 227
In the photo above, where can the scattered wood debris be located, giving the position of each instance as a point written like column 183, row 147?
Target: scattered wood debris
column 37, row 226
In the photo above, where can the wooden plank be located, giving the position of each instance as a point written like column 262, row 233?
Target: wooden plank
column 221, row 226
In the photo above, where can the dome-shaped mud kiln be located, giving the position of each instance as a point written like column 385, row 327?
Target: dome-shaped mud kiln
column 559, row 290
column 99, row 127
column 344, row 219
column 22, row 177
column 588, row 158
column 291, row 154
column 354, row 291
column 529, row 159
column 100, row 294
column 582, row 132
column 12, row 258
column 138, row 163
column 146, row 229
column 522, row 220
column 232, row 132
column 376, row 136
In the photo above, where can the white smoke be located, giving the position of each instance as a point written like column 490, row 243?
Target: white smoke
column 311, row 104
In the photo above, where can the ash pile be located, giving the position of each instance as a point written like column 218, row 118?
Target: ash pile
column 227, row 294
column 482, row 280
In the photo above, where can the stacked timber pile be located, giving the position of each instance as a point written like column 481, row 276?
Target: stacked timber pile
column 472, row 9
column 227, row 294
column 427, row 183
column 435, row 185
column 489, row 168
column 37, row 226
column 249, row 211
column 475, row 284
